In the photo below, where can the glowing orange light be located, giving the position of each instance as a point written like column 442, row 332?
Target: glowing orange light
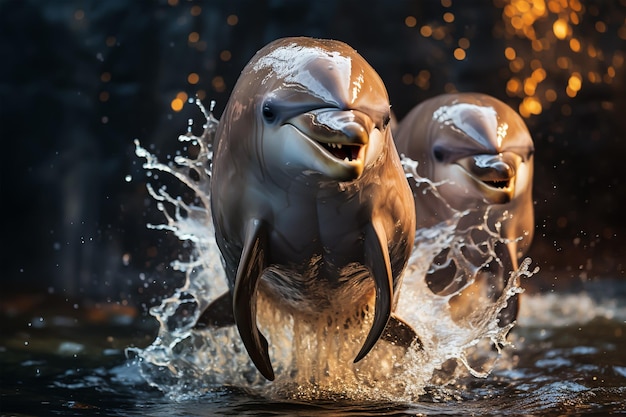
column 464, row 43
column 449, row 88
column 439, row 33
column 407, row 79
column 530, row 106
column 529, row 86
column 574, row 45
column 562, row 62
column 193, row 78
column 539, row 75
column 232, row 20
column 516, row 65
column 459, row 54
column 193, row 37
column 560, row 28
column 426, row 31
column 225, row 55
column 423, row 79
column 509, row 53
column 182, row 96
column 410, row 21
column 218, row 84
column 594, row 77
column 601, row 26
column 448, row 17
column 550, row 95
column 196, row 10
column 513, row 86
column 177, row 104
column 610, row 71
column 105, row 77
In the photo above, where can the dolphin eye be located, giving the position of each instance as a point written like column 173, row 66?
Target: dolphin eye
column 438, row 154
column 386, row 121
column 268, row 113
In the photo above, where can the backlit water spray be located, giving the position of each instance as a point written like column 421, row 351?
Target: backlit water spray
column 313, row 358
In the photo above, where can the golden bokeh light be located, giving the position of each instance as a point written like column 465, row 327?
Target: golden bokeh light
column 232, row 20
column 218, row 84
column 196, row 10
column 225, row 55
column 193, row 37
column 410, row 21
column 448, row 17
column 177, row 104
column 560, row 28
column 193, row 78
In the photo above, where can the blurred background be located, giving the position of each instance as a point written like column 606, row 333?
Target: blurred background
column 80, row 80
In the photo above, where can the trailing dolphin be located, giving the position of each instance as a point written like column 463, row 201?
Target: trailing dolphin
column 310, row 203
column 480, row 154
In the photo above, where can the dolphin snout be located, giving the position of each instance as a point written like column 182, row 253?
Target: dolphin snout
column 493, row 175
column 492, row 168
column 345, row 127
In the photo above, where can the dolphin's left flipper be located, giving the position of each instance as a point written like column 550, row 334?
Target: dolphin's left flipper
column 377, row 260
column 218, row 314
column 251, row 267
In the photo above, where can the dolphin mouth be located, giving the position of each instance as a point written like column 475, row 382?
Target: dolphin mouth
column 344, row 152
column 493, row 175
column 338, row 137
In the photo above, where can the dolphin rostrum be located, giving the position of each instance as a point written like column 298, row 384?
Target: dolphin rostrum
column 480, row 154
column 308, row 195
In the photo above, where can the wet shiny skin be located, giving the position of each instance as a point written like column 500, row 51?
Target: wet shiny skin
column 480, row 153
column 285, row 196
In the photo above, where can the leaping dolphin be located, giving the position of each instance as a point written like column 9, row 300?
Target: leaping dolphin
column 480, row 152
column 308, row 195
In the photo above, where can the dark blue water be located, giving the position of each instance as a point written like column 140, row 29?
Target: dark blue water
column 569, row 358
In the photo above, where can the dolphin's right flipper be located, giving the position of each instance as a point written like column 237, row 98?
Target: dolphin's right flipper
column 377, row 261
column 400, row 333
column 251, row 266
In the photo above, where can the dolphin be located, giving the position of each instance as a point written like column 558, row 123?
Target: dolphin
column 480, row 153
column 308, row 195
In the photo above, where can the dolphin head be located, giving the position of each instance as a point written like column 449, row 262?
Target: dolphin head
column 476, row 143
column 318, row 109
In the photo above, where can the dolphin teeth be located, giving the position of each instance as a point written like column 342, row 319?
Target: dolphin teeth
column 339, row 145
column 346, row 159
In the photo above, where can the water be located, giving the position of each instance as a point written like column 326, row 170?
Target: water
column 565, row 355
column 568, row 358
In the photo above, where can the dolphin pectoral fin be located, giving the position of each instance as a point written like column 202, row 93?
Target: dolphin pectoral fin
column 508, row 259
column 400, row 333
column 251, row 267
column 218, row 314
column 377, row 260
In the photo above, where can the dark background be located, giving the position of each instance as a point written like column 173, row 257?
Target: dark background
column 80, row 80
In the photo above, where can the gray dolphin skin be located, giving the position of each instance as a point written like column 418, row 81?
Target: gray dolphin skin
column 481, row 150
column 310, row 203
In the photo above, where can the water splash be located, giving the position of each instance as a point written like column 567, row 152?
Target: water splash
column 313, row 358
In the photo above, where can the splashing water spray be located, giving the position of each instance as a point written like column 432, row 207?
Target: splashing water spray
column 313, row 358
